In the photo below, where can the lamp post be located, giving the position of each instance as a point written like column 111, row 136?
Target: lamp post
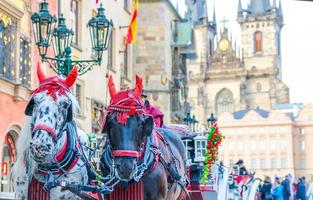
column 45, row 31
column 211, row 120
column 187, row 119
column 194, row 121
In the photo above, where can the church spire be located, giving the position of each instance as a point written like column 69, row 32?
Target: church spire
column 280, row 9
column 259, row 7
column 214, row 15
column 240, row 10
column 274, row 5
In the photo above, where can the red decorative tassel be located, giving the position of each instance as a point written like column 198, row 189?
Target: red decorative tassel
column 134, row 191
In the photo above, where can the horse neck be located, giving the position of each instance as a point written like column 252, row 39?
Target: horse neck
column 61, row 143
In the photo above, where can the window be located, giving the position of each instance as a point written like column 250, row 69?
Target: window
column 231, row 146
column 126, row 61
column 262, row 163
column 262, row 145
column 302, row 145
column 224, row 101
column 240, row 146
column 283, row 163
column 273, row 163
column 97, row 110
column 78, row 92
column 25, row 61
column 74, row 20
column 253, row 145
column 301, row 131
column 111, row 50
column 283, row 145
column 253, row 163
column 7, row 49
column 258, row 87
column 200, row 96
column 302, row 163
column 273, row 145
column 200, row 150
column 258, row 40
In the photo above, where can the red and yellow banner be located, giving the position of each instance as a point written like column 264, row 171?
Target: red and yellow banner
column 132, row 29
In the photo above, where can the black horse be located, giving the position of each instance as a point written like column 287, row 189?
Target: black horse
column 135, row 151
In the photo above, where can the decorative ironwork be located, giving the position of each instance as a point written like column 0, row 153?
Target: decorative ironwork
column 25, row 61
column 7, row 49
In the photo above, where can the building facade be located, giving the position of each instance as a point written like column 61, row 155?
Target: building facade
column 263, row 139
column 158, row 57
column 16, row 79
column 226, row 78
column 19, row 55
column 273, row 143
column 91, row 88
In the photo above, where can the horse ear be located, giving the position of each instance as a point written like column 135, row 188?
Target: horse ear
column 71, row 77
column 148, row 125
column 30, row 107
column 40, row 74
column 111, row 86
column 138, row 87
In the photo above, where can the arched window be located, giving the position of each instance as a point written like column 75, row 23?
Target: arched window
column 258, row 40
column 8, row 159
column 224, row 101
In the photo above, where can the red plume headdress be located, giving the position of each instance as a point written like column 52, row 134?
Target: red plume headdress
column 125, row 103
column 54, row 85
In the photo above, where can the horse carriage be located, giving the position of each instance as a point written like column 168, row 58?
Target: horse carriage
column 195, row 148
column 137, row 161
column 242, row 187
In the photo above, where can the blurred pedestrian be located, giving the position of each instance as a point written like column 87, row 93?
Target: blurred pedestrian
column 278, row 190
column 309, row 192
column 286, row 185
column 266, row 189
column 301, row 192
column 242, row 168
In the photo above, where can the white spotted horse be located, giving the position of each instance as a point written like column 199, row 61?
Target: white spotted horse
column 50, row 147
column 138, row 154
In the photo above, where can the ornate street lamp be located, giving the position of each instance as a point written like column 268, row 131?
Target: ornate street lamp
column 211, row 120
column 100, row 30
column 43, row 27
column 43, row 22
column 187, row 119
column 194, row 121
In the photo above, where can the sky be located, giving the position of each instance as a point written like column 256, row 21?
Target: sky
column 296, row 41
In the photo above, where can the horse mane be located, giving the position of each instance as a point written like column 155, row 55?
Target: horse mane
column 19, row 168
column 23, row 141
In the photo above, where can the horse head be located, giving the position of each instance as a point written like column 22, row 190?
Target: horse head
column 50, row 109
column 127, row 127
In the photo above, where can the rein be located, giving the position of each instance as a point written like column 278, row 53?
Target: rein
column 67, row 158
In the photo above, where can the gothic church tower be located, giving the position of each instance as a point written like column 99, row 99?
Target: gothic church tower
column 204, row 32
column 261, row 25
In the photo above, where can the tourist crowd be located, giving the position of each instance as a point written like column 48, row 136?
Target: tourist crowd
column 286, row 189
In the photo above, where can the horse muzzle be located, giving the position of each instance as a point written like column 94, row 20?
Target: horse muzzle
column 41, row 145
column 125, row 167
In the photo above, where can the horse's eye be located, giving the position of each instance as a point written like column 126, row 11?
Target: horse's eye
column 65, row 104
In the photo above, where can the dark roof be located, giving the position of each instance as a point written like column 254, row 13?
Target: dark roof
column 174, row 9
column 241, row 113
column 259, row 6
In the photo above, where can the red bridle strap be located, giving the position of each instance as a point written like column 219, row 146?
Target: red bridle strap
column 46, row 128
column 125, row 153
